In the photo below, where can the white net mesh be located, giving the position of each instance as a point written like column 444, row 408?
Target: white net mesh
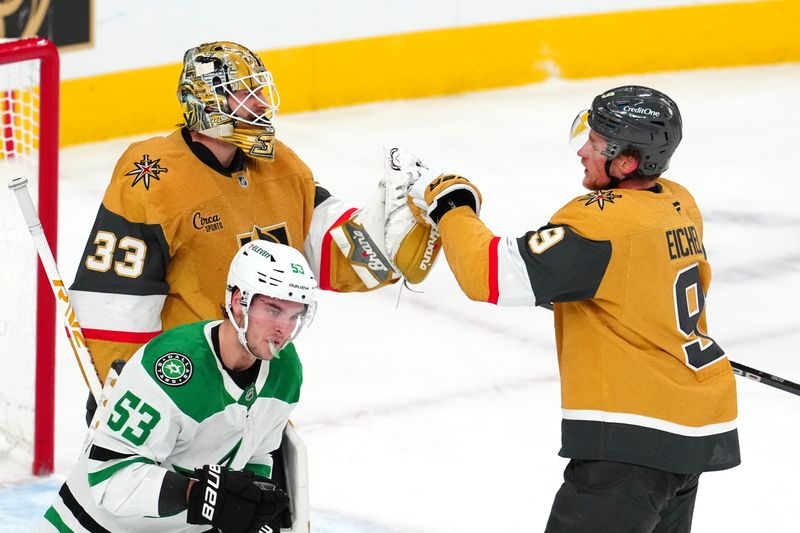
column 19, row 152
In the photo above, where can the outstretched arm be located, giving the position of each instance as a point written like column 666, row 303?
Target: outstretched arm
column 368, row 248
column 551, row 264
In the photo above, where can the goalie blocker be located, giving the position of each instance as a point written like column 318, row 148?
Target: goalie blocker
column 384, row 240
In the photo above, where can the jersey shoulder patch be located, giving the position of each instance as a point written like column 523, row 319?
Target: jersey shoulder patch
column 610, row 214
column 188, row 339
column 594, row 215
column 184, row 366
column 144, row 163
column 149, row 178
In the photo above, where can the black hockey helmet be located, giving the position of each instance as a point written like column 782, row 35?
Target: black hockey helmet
column 639, row 118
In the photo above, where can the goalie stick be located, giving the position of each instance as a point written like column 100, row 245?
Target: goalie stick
column 73, row 328
column 747, row 372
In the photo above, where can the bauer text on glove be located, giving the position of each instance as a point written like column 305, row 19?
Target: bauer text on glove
column 233, row 501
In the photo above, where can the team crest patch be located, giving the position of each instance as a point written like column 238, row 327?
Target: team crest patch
column 145, row 170
column 600, row 198
column 278, row 233
column 173, row 369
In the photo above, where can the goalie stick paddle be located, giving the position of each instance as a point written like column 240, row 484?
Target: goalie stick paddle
column 749, row 373
column 73, row 328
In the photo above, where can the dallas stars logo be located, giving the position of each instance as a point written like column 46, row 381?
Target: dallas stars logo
column 600, row 198
column 173, row 369
column 145, row 171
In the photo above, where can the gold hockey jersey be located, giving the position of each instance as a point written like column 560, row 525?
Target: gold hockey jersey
column 626, row 271
column 170, row 222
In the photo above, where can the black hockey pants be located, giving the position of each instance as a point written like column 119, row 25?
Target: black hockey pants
column 611, row 497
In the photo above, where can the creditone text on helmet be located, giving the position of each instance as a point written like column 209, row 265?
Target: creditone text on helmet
column 641, row 110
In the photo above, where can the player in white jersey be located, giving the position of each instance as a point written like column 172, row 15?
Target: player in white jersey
column 186, row 438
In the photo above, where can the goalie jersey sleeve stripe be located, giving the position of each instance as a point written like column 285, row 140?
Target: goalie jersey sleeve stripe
column 319, row 242
column 119, row 336
column 118, row 312
column 333, row 267
column 494, row 289
column 123, row 257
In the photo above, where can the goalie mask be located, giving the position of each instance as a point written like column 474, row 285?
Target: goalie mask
column 227, row 93
column 274, row 270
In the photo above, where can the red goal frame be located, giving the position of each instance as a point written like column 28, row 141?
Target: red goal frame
column 47, row 53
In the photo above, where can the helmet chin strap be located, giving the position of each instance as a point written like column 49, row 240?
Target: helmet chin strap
column 613, row 181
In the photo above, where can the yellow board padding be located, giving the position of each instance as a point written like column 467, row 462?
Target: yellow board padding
column 449, row 61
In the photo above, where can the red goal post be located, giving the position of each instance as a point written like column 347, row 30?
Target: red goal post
column 29, row 131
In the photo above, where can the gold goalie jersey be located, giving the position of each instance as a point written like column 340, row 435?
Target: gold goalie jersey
column 170, row 222
column 643, row 381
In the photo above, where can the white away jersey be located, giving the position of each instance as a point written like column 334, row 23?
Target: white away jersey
column 174, row 408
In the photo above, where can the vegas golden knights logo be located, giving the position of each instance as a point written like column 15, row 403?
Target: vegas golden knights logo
column 277, row 233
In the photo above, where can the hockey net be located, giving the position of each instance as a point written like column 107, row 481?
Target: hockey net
column 28, row 147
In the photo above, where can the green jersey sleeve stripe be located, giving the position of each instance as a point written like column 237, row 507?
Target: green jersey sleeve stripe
column 54, row 518
column 259, row 470
column 98, row 477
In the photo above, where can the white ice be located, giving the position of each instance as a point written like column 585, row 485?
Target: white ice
column 442, row 415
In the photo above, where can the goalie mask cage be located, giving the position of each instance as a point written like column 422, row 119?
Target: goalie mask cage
column 29, row 78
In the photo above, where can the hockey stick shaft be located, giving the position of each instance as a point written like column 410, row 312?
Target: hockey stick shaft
column 765, row 378
column 73, row 328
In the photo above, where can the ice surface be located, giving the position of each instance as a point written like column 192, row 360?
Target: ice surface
column 443, row 415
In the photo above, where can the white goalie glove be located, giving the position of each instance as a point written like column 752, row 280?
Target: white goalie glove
column 385, row 237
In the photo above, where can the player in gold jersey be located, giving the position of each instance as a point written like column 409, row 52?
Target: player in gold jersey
column 178, row 207
column 648, row 397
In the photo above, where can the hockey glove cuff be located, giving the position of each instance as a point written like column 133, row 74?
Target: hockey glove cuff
column 436, row 193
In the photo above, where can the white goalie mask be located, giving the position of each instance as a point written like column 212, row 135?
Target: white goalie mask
column 274, row 270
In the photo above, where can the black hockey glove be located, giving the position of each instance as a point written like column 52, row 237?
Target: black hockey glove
column 234, row 501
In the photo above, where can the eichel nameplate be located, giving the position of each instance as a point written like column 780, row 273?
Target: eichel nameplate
column 173, row 369
column 65, row 24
